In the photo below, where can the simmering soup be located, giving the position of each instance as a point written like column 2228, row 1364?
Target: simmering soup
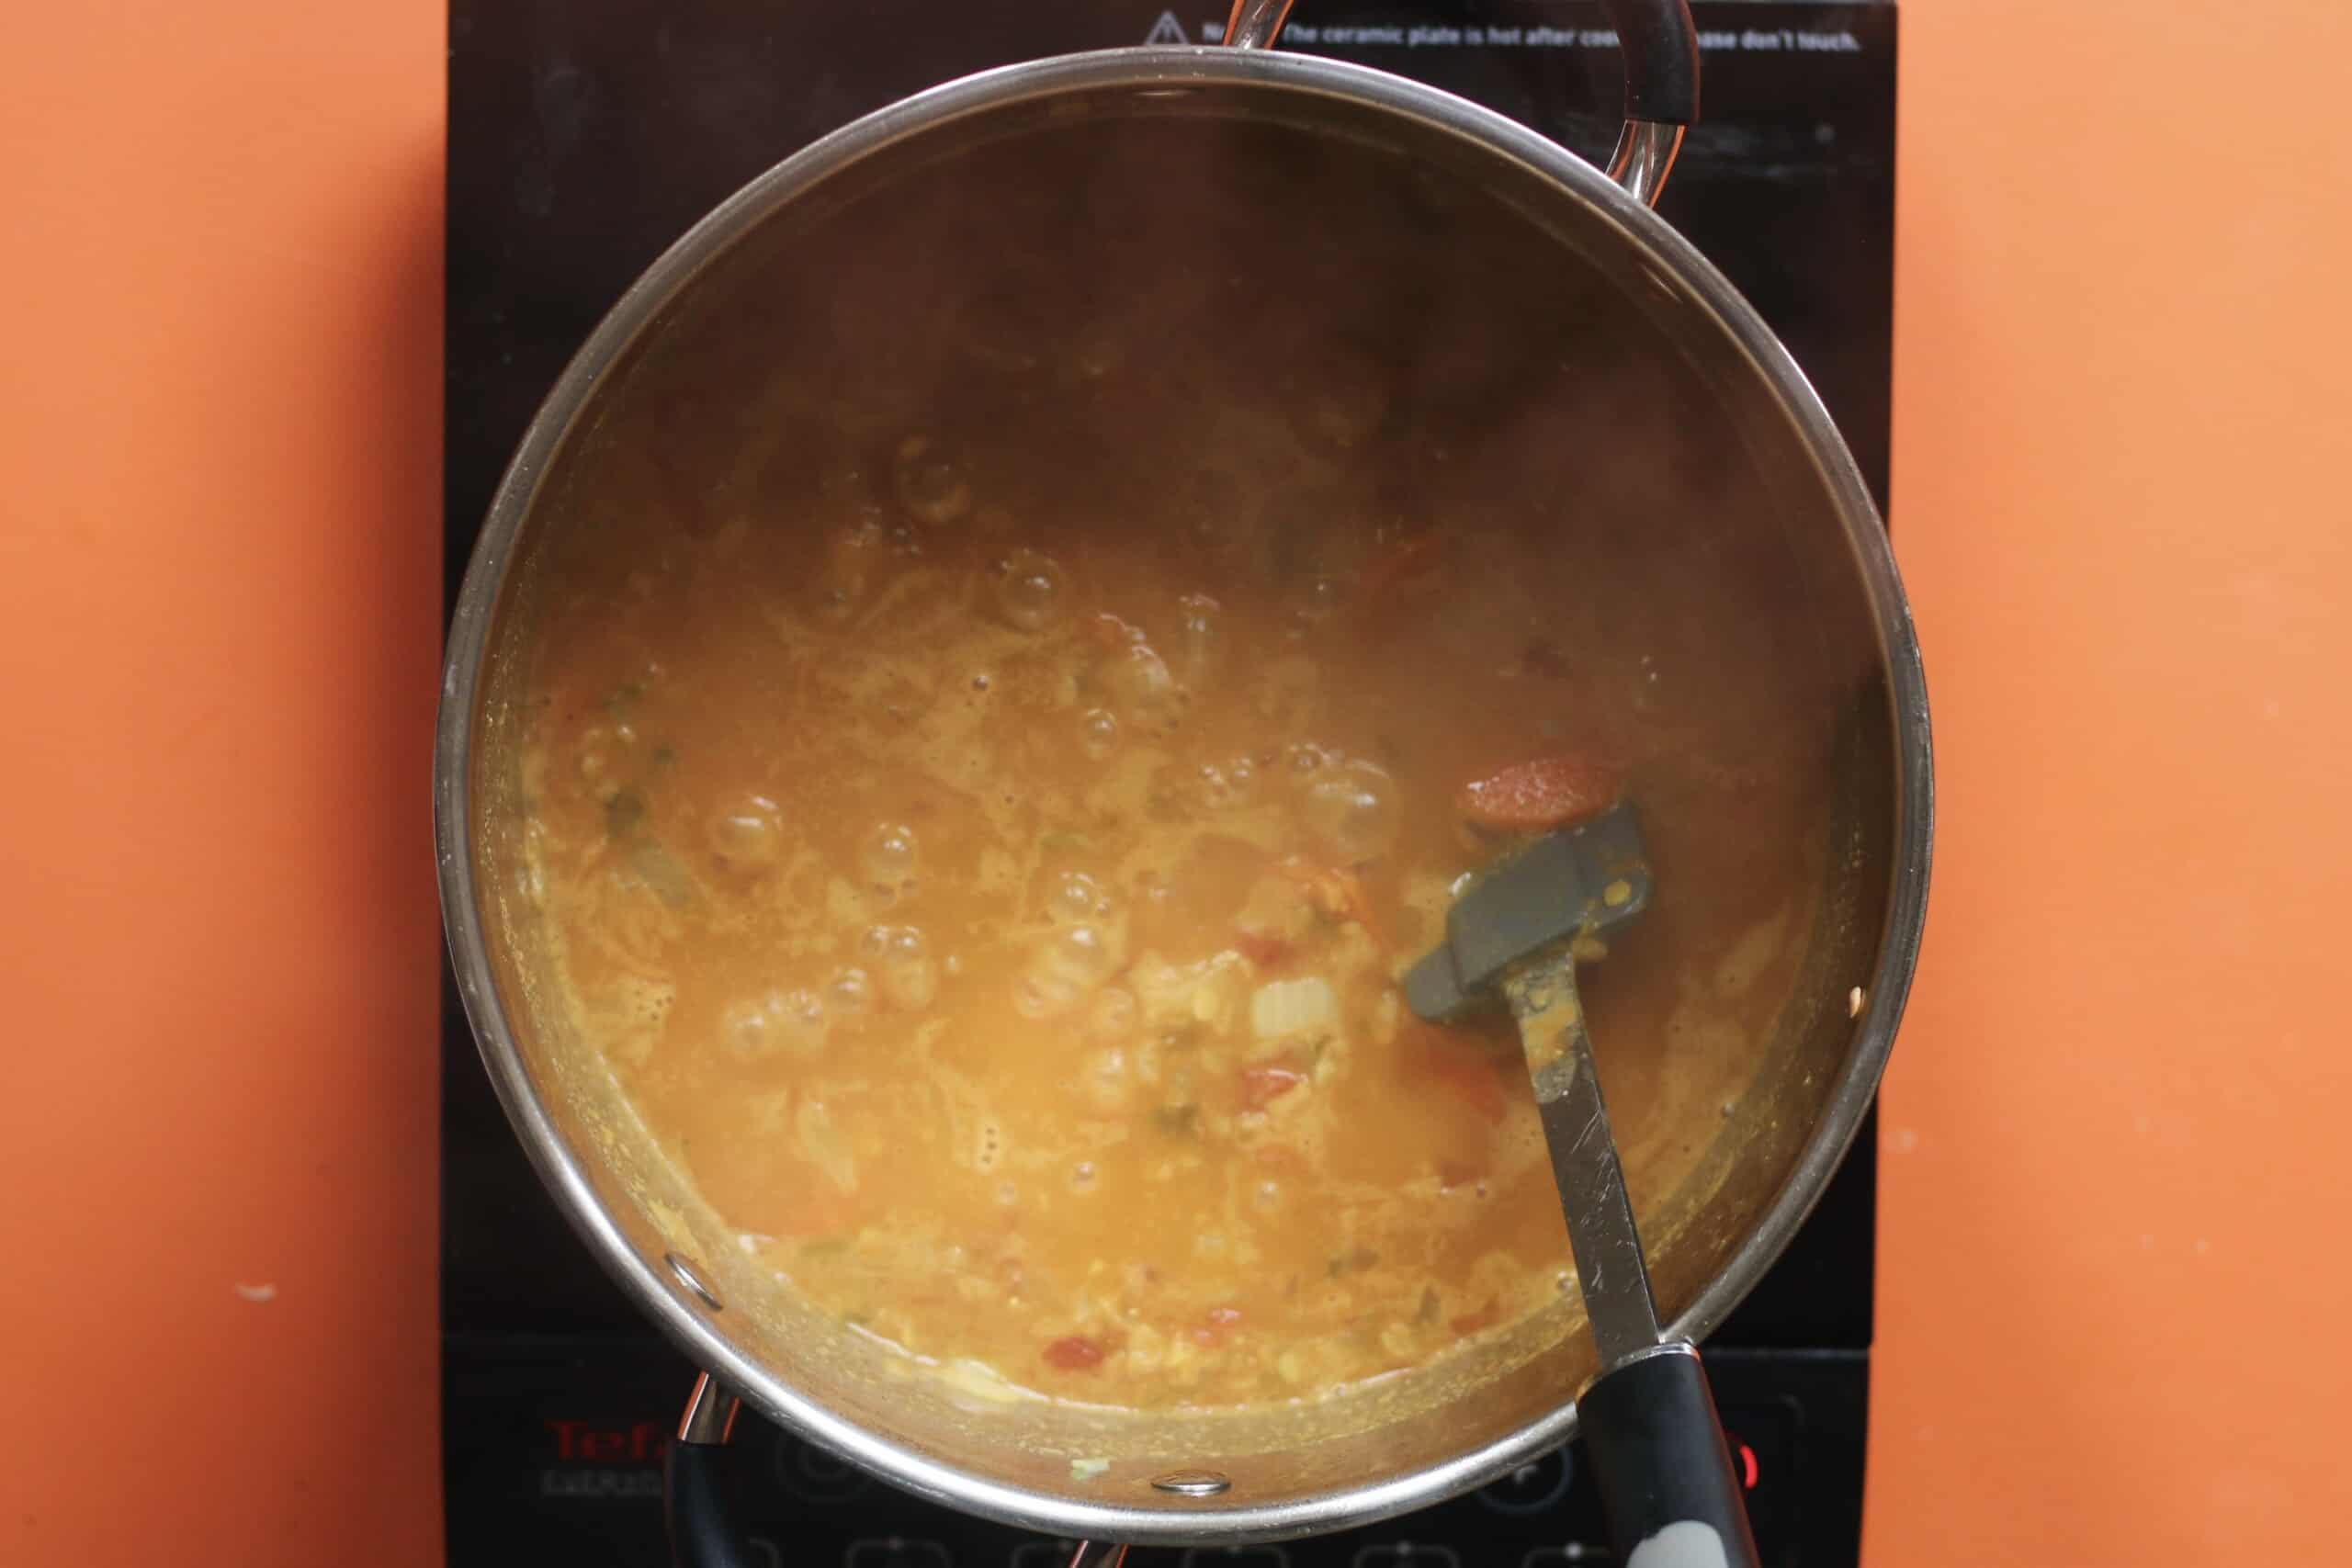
column 985, row 786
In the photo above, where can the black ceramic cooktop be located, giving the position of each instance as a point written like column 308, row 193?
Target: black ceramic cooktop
column 583, row 139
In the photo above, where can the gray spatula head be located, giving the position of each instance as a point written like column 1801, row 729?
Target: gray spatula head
column 1577, row 880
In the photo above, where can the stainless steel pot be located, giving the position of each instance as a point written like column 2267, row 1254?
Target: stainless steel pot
column 1267, row 1474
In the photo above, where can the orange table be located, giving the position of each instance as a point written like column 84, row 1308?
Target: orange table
column 220, row 617
column 2112, row 1312
column 2113, row 1297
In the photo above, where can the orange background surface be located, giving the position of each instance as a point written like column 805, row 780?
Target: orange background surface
column 2113, row 1298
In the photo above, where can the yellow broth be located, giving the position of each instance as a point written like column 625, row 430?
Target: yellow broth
column 984, row 797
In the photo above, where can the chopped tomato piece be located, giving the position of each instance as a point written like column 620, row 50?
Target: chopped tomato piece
column 1265, row 1083
column 1267, row 949
column 1471, row 1322
column 1074, row 1353
column 1550, row 792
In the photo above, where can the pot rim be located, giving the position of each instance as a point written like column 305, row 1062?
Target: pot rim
column 687, row 1322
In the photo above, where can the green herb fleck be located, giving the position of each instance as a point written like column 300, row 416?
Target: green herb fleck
column 1177, row 1121
column 623, row 813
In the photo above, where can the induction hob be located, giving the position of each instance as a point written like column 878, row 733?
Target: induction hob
column 583, row 139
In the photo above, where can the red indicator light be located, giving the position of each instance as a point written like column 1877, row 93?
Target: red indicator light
column 1747, row 1466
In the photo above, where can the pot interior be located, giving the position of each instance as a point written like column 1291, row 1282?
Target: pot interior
column 1237, row 253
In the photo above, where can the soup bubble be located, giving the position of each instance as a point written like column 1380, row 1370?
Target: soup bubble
column 1354, row 809
column 881, row 944
column 850, row 993
column 1043, row 994
column 1098, row 732
column 1140, row 683
column 750, row 1027
column 1304, row 758
column 911, row 983
column 1077, row 896
column 1223, row 786
column 1068, row 965
column 889, row 856
column 855, row 558
column 793, row 1021
column 800, row 1021
column 1086, row 954
column 1201, row 639
column 898, row 957
column 748, row 835
column 1032, row 594
column 930, row 483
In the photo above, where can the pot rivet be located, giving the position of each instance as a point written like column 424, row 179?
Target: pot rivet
column 685, row 1275
column 1191, row 1482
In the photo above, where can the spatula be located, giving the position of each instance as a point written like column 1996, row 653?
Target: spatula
column 1648, row 1418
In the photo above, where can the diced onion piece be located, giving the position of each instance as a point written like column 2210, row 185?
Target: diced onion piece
column 823, row 1146
column 1283, row 1007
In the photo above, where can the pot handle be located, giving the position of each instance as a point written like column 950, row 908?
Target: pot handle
column 1661, row 51
column 1664, row 1471
column 697, row 1494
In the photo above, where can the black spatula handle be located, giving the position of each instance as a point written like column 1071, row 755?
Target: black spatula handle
column 1667, row 1485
